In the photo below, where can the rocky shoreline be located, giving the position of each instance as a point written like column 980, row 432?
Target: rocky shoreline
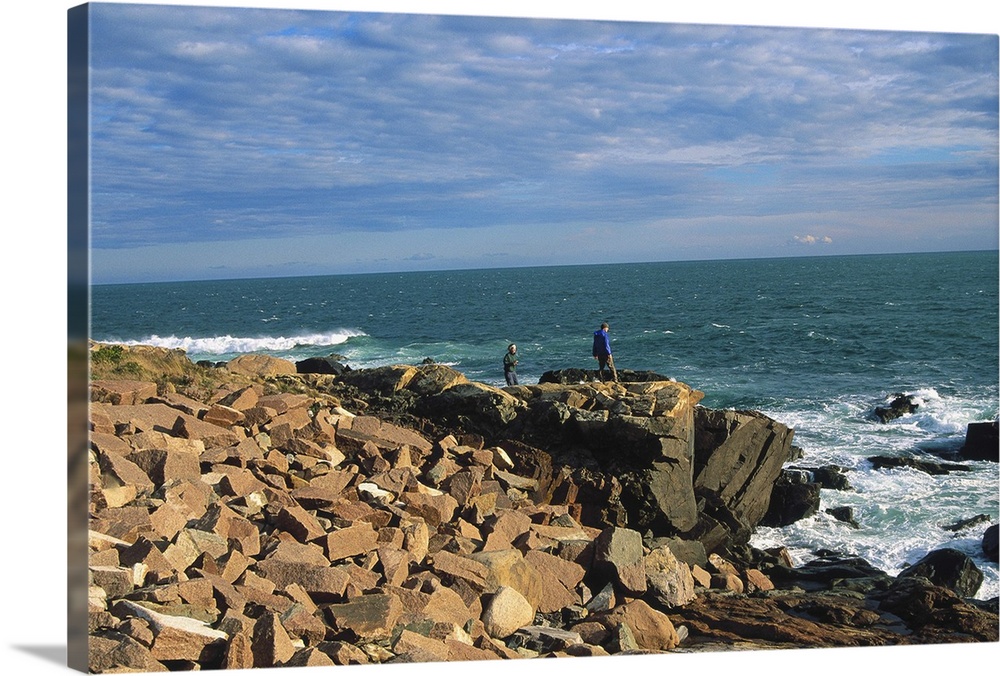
column 261, row 513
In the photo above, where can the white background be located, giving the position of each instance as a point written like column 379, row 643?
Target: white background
column 33, row 534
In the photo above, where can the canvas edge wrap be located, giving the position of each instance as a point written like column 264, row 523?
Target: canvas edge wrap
column 78, row 284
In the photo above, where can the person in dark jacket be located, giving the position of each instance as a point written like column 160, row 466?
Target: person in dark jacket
column 602, row 352
column 510, row 364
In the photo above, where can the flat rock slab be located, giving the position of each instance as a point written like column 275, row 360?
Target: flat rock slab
column 163, row 418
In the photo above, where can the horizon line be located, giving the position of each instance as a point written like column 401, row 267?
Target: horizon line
column 539, row 266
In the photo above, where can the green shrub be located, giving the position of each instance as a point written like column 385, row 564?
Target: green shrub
column 110, row 355
column 129, row 368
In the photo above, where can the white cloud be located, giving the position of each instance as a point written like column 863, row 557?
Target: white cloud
column 809, row 240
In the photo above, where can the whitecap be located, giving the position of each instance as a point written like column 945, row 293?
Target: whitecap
column 820, row 336
column 219, row 345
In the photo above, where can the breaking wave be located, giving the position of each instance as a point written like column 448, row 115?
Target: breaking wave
column 215, row 346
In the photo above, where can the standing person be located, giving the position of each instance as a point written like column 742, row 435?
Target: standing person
column 602, row 352
column 510, row 364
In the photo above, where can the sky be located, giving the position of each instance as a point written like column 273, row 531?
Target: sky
column 232, row 142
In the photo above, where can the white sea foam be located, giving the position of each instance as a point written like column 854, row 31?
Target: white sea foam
column 227, row 345
column 902, row 512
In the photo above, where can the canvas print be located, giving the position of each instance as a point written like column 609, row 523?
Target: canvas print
column 415, row 338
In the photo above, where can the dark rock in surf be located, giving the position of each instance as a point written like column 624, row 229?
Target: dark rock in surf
column 901, row 404
column 990, row 543
column 928, row 466
column 968, row 523
column 845, row 514
column 982, row 442
column 321, row 365
column 829, row 476
column 832, row 570
column 948, row 568
column 793, row 497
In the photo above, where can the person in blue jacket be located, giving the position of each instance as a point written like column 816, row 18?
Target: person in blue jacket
column 602, row 352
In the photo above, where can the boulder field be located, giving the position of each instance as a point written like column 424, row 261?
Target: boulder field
column 251, row 515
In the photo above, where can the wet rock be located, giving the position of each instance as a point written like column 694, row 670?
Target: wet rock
column 982, row 442
column 948, row 568
column 928, row 466
column 845, row 514
column 831, row 477
column 793, row 497
column 830, row 571
column 990, row 543
column 967, row 523
column 898, row 406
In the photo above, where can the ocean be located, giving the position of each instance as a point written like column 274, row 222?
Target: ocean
column 815, row 343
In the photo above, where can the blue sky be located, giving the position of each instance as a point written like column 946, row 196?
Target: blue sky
column 231, row 142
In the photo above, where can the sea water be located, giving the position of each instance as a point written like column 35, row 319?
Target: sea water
column 815, row 343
